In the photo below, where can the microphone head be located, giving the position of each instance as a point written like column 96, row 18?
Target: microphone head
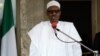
column 54, row 25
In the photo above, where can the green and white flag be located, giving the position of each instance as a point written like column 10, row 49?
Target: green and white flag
column 7, row 33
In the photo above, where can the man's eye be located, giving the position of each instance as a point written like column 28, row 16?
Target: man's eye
column 52, row 11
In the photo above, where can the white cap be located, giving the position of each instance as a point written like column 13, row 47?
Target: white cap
column 53, row 3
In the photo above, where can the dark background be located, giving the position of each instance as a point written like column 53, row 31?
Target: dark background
column 79, row 12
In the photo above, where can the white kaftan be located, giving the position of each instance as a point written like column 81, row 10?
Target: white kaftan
column 45, row 43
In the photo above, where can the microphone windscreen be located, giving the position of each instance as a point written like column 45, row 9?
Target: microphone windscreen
column 54, row 25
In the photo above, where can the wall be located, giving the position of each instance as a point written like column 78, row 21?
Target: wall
column 29, row 13
column 95, row 17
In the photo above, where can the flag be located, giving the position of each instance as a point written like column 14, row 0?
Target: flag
column 7, row 33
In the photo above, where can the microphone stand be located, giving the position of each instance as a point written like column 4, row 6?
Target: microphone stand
column 94, row 52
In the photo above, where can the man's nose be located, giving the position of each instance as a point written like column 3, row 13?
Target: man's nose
column 54, row 13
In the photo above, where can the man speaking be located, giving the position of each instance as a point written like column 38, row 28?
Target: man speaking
column 43, row 39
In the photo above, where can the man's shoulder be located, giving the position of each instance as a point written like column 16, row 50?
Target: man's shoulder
column 38, row 25
column 41, row 24
column 66, row 22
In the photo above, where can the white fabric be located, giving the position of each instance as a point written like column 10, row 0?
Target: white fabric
column 53, row 3
column 45, row 43
column 8, row 43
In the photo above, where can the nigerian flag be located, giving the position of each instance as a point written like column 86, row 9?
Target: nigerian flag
column 7, row 33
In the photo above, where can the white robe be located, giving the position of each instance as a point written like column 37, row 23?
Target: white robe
column 45, row 43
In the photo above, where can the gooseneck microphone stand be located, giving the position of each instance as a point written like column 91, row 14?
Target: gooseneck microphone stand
column 94, row 52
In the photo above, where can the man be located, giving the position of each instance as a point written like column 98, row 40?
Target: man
column 43, row 39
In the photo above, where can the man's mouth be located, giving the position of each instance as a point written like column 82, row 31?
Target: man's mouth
column 54, row 17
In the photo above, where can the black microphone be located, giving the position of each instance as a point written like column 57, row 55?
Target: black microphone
column 54, row 26
column 94, row 52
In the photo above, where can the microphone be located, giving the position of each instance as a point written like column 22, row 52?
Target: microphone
column 89, row 49
column 54, row 24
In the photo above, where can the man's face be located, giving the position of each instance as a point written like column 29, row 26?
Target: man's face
column 53, row 13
